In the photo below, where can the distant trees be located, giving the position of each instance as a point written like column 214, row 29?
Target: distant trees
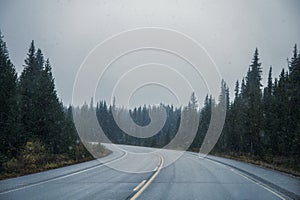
column 205, row 117
column 260, row 122
column 140, row 115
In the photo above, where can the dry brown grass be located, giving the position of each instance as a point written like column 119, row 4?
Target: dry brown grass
column 35, row 159
column 288, row 165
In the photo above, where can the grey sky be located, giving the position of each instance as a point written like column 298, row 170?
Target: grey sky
column 66, row 31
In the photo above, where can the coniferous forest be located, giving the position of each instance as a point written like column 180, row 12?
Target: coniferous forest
column 37, row 131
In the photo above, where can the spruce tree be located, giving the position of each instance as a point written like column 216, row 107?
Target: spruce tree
column 269, row 117
column 8, row 106
column 294, row 102
column 41, row 113
column 253, row 105
column 50, row 113
column 27, row 90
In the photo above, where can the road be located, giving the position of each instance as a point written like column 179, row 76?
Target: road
column 134, row 173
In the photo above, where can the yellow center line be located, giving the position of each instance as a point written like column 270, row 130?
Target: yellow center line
column 149, row 181
column 139, row 185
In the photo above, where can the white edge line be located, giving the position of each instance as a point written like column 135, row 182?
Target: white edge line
column 252, row 180
column 61, row 177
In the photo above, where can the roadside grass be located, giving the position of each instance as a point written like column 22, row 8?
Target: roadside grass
column 289, row 165
column 34, row 158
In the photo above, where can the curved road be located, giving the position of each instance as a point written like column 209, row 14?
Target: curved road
column 189, row 177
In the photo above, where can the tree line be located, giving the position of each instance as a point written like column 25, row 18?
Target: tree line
column 262, row 122
column 265, row 121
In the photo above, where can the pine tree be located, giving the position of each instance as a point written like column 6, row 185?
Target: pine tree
column 270, row 83
column 281, row 118
column 204, row 120
column 27, row 90
column 253, row 103
column 224, row 140
column 233, row 120
column 269, row 117
column 193, row 101
column 236, row 90
column 294, row 102
column 8, row 106
column 41, row 113
column 49, row 112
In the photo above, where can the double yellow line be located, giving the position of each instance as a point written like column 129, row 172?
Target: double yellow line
column 144, row 184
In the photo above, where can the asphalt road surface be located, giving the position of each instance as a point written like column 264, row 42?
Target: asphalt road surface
column 134, row 173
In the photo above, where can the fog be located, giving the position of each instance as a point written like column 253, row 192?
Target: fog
column 229, row 31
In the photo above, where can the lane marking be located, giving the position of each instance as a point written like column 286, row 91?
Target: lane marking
column 63, row 176
column 250, row 179
column 139, row 185
column 260, row 184
column 136, row 195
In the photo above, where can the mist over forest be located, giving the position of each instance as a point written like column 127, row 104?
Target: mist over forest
column 262, row 122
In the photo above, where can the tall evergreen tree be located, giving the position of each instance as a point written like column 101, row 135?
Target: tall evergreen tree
column 225, row 139
column 193, row 101
column 8, row 106
column 50, row 113
column 253, row 103
column 282, row 114
column 234, row 121
column 294, row 101
column 236, row 90
column 27, row 90
column 41, row 113
column 269, row 118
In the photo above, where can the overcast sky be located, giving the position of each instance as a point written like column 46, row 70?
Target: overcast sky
column 229, row 30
